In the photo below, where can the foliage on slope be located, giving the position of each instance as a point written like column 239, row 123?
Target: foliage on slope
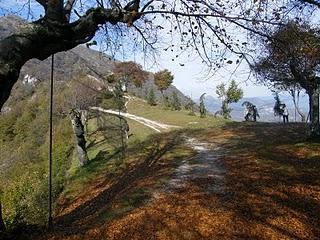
column 24, row 157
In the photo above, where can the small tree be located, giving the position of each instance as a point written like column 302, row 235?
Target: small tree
column 166, row 102
column 277, row 106
column 175, row 102
column 190, row 107
column 163, row 79
column 228, row 95
column 131, row 72
column 203, row 110
column 251, row 112
column 82, row 93
column 151, row 98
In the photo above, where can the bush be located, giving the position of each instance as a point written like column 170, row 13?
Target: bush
column 24, row 183
column 175, row 102
column 151, row 98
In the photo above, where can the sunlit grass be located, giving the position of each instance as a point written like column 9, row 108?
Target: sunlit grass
column 179, row 118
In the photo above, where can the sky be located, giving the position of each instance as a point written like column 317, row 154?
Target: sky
column 192, row 78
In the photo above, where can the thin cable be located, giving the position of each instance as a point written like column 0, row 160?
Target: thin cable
column 50, row 144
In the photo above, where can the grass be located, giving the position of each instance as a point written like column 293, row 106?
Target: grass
column 106, row 165
column 178, row 118
column 104, row 158
column 102, row 153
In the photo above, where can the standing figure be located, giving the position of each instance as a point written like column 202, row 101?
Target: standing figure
column 246, row 114
column 285, row 113
column 255, row 113
column 250, row 111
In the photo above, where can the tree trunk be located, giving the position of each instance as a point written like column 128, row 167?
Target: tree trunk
column 84, row 120
column 78, row 130
column 296, row 106
column 310, row 115
column 314, row 113
column 2, row 226
column 315, row 128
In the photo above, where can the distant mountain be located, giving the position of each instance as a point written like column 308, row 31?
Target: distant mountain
column 264, row 104
column 75, row 62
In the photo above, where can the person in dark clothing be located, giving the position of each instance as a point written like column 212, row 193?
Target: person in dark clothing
column 285, row 114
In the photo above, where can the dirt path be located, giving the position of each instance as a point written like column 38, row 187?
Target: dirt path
column 206, row 164
column 188, row 206
column 157, row 126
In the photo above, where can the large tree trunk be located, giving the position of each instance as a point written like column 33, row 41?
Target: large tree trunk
column 47, row 36
column 296, row 105
column 314, row 113
column 315, row 128
column 78, row 129
column 2, row 226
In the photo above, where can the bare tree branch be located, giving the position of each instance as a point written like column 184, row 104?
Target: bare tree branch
column 312, row 2
column 42, row 3
column 146, row 5
column 54, row 10
column 68, row 7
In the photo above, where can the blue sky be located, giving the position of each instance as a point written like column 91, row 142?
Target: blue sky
column 193, row 80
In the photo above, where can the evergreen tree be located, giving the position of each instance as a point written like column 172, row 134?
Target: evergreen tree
column 166, row 102
column 203, row 110
column 175, row 102
column 151, row 98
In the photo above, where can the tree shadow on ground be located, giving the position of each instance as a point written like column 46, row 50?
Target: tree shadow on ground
column 271, row 191
column 82, row 218
column 272, row 181
column 273, row 187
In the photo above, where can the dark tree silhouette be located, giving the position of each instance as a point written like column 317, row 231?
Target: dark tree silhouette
column 203, row 110
column 293, row 57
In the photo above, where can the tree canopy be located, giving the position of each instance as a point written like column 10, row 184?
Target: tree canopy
column 163, row 79
column 291, row 59
column 130, row 72
column 228, row 94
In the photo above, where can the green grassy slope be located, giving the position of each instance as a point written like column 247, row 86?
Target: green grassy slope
column 179, row 118
column 103, row 154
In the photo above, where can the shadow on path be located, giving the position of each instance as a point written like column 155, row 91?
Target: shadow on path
column 82, row 217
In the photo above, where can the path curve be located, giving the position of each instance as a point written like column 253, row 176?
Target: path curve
column 157, row 126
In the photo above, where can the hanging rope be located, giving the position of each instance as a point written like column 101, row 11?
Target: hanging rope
column 50, row 144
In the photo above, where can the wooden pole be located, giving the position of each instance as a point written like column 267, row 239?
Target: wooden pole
column 50, row 144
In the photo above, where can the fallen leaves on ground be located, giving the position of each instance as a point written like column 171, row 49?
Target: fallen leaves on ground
column 266, row 195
